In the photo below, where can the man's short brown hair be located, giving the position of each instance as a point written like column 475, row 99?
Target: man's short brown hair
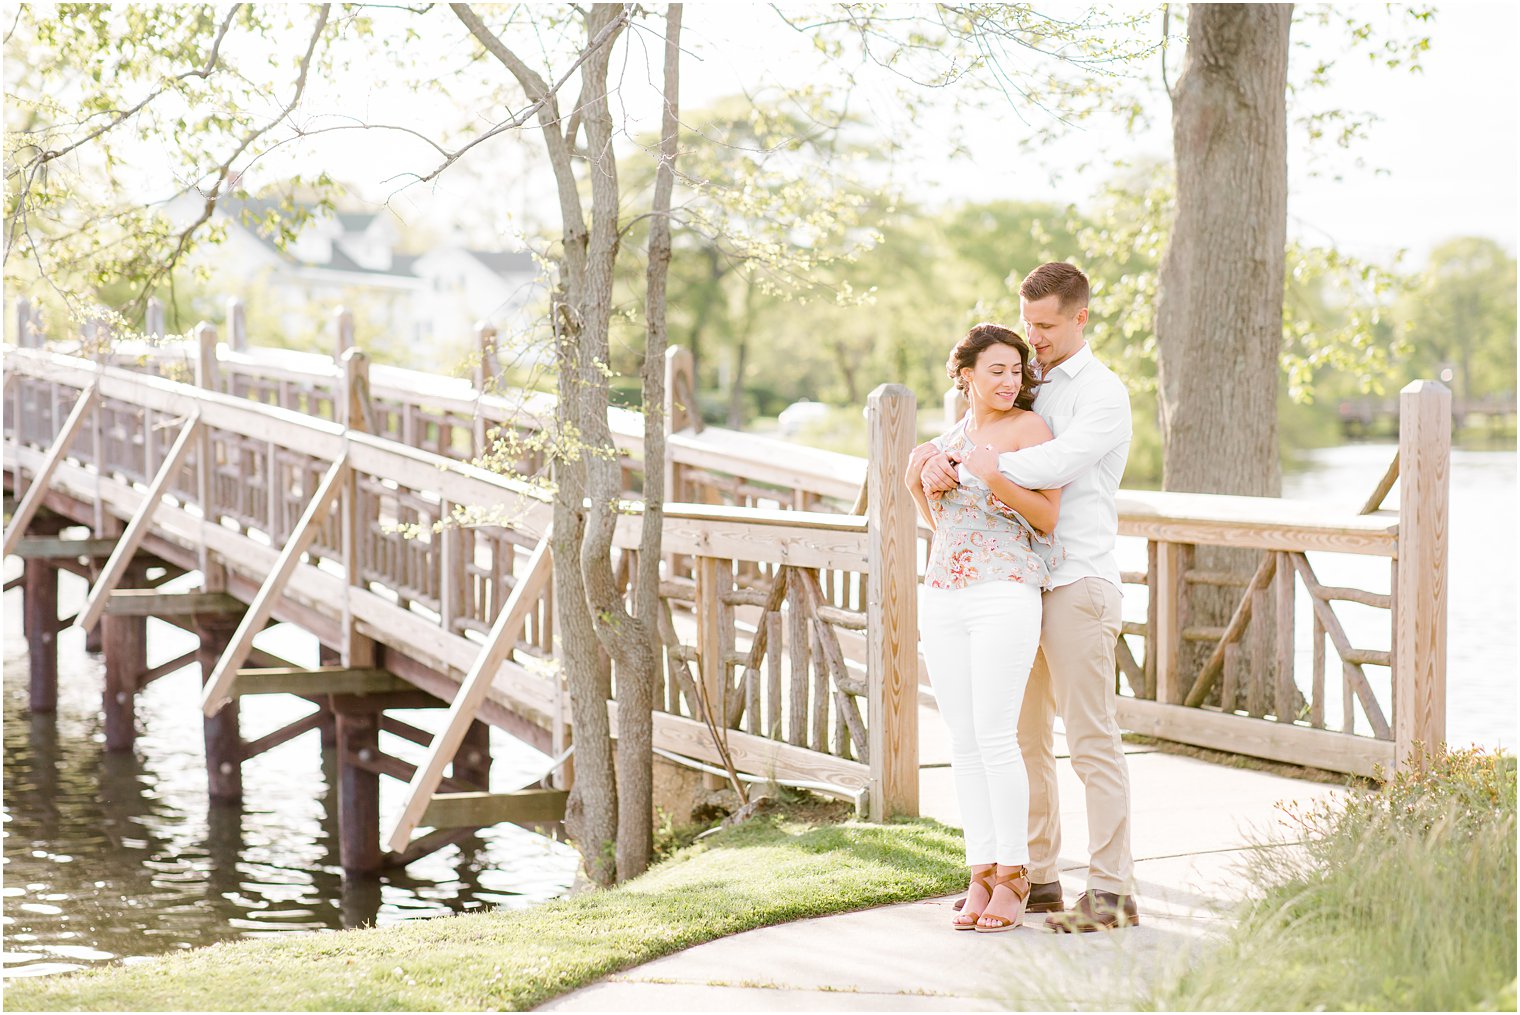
column 1057, row 278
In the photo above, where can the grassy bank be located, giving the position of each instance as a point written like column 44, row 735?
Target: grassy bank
column 1402, row 899
column 770, row 870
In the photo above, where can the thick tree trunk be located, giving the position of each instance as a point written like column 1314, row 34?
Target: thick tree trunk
column 1219, row 310
column 1220, row 302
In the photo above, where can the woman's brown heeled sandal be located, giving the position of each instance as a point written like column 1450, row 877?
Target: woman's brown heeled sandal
column 966, row 920
column 1017, row 882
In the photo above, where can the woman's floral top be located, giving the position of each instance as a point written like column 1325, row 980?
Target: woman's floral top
column 978, row 538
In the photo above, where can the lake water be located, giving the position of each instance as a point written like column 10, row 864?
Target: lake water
column 120, row 856
column 1481, row 656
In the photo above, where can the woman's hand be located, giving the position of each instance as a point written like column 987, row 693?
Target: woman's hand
column 982, row 462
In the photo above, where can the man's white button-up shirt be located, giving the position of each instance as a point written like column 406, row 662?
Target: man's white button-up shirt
column 1087, row 408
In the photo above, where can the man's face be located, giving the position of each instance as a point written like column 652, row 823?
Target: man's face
column 1053, row 334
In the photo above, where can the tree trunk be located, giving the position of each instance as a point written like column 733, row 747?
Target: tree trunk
column 741, row 357
column 628, row 638
column 848, row 362
column 1219, row 309
column 710, row 294
column 591, row 811
column 1220, row 302
column 636, row 755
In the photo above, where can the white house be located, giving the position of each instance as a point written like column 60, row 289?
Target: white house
column 425, row 306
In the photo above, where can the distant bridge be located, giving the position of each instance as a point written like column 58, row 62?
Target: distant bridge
column 1370, row 417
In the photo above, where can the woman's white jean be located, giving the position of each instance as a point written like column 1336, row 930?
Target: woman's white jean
column 980, row 643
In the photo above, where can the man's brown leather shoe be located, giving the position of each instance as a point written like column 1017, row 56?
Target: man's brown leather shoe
column 1096, row 910
column 1044, row 897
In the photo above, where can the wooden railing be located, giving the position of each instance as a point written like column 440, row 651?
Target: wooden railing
column 459, row 418
column 1263, row 700
column 1263, row 703
column 384, row 564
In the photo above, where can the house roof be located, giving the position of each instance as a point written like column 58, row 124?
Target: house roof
column 505, row 262
column 402, row 265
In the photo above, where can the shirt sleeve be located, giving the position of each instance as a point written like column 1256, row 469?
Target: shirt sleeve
column 1101, row 424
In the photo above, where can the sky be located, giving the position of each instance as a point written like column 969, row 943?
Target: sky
column 1440, row 160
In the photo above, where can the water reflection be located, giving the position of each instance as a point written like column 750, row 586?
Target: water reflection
column 111, row 856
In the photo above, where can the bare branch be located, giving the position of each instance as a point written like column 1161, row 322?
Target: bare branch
column 14, row 23
column 546, row 105
column 204, row 71
column 224, row 170
column 1166, row 24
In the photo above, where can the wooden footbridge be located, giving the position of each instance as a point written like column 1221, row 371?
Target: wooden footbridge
column 342, row 499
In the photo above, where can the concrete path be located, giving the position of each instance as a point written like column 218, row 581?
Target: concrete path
column 1192, row 821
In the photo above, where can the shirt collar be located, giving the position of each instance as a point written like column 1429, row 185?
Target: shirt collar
column 1073, row 364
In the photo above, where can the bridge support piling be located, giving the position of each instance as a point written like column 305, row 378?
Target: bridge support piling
column 224, row 744
column 107, row 527
column 472, row 764
column 358, row 792
column 124, row 638
column 327, row 656
column 95, row 637
column 39, row 621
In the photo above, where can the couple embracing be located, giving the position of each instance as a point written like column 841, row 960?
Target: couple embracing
column 1021, row 606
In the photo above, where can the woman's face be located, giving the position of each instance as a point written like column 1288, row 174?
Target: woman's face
column 996, row 378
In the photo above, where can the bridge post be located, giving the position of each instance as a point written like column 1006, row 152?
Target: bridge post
column 681, row 413
column 213, row 575
column 343, row 332
column 224, row 744
column 487, row 374
column 39, row 605
column 126, row 651
column 892, row 605
column 237, row 325
column 24, row 332
column 1419, row 604
column 153, row 318
column 955, row 406
column 357, row 729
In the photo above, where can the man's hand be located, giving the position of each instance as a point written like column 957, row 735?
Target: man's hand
column 982, row 461
column 922, row 453
column 939, row 474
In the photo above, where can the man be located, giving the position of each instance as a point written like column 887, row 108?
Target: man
column 1087, row 408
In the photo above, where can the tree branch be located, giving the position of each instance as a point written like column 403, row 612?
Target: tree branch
column 224, row 170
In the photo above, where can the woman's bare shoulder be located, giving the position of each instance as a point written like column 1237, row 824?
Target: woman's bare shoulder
column 1029, row 428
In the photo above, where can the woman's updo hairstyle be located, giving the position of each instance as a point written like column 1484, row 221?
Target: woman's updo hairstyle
column 977, row 340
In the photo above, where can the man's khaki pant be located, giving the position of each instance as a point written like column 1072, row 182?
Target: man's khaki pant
column 1073, row 675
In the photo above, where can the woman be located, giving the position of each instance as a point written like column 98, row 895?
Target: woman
column 981, row 611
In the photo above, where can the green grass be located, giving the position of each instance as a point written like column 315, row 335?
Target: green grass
column 1402, row 899
column 773, row 869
